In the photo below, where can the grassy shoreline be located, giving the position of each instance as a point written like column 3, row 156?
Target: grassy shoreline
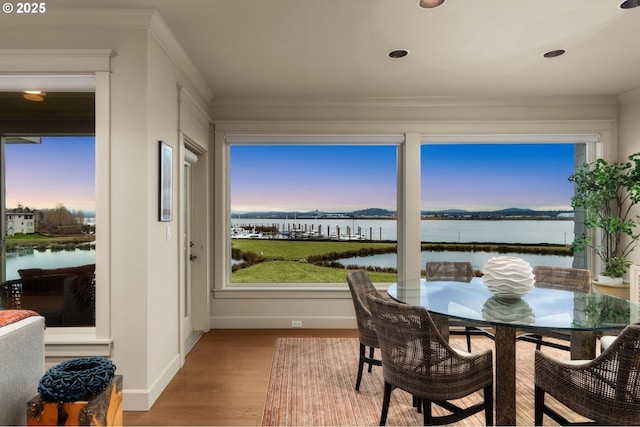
column 43, row 241
column 280, row 261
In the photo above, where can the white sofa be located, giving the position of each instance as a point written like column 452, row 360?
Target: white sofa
column 21, row 367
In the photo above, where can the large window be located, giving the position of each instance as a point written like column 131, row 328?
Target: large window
column 50, row 228
column 48, row 198
column 304, row 213
column 484, row 200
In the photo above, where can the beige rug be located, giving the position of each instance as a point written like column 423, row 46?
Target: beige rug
column 312, row 384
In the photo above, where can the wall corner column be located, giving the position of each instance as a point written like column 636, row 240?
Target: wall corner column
column 409, row 208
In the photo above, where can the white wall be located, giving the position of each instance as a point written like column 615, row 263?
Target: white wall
column 147, row 68
column 236, row 307
column 629, row 137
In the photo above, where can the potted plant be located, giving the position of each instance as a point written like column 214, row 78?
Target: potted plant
column 607, row 193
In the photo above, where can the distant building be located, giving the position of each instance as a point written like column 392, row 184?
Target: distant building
column 20, row 223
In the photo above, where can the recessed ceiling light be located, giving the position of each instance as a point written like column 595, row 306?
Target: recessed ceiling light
column 554, row 53
column 629, row 4
column 429, row 4
column 399, row 53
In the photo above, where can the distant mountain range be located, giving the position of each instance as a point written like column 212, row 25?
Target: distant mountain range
column 384, row 213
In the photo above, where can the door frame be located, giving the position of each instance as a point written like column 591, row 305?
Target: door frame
column 198, row 270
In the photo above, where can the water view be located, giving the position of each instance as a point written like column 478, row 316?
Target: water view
column 477, row 259
column 454, row 231
column 32, row 258
column 529, row 231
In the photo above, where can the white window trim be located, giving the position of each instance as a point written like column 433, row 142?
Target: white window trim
column 408, row 188
column 74, row 69
column 223, row 251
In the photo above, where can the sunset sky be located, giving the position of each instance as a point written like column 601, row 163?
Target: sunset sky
column 345, row 178
column 327, row 178
column 59, row 170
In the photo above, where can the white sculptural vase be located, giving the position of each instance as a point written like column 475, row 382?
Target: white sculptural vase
column 508, row 277
column 496, row 309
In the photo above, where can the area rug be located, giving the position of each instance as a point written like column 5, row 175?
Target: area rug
column 312, row 384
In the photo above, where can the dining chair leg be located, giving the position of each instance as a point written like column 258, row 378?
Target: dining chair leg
column 417, row 403
column 426, row 412
column 539, row 342
column 488, row 405
column 468, row 330
column 371, row 354
column 538, row 406
column 361, row 366
column 385, row 403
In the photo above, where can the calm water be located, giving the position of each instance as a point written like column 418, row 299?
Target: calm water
column 454, row 231
column 47, row 259
column 463, row 231
column 506, row 231
column 477, row 259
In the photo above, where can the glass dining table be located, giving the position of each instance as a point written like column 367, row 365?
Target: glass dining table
column 583, row 314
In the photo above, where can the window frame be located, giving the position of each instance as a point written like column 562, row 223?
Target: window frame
column 409, row 192
column 70, row 68
column 310, row 139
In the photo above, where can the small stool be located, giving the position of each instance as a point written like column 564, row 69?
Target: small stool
column 102, row 409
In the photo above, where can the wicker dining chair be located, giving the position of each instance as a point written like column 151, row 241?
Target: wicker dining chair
column 456, row 271
column 418, row 360
column 570, row 279
column 360, row 286
column 605, row 389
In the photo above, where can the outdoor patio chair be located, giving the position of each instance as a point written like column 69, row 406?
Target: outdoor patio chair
column 360, row 286
column 456, row 271
column 605, row 390
column 418, row 360
column 62, row 299
column 571, row 279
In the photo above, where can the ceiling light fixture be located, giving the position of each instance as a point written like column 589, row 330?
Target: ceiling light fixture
column 554, row 53
column 398, row 53
column 629, row 4
column 429, row 4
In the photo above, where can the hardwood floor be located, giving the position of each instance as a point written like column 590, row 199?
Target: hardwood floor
column 225, row 377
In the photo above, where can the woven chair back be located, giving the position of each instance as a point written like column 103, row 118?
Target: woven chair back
column 571, row 279
column 417, row 359
column 360, row 286
column 457, row 271
column 606, row 389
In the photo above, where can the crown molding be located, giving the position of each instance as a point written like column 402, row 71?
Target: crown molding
column 73, row 61
column 161, row 32
column 631, row 97
column 149, row 20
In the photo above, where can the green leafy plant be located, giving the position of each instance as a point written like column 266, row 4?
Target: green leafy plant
column 607, row 193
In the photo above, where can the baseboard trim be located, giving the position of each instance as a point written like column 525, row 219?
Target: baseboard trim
column 266, row 322
column 143, row 399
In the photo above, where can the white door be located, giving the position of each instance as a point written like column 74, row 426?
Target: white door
column 189, row 258
column 190, row 334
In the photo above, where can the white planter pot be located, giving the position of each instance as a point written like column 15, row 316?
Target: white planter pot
column 609, row 280
column 620, row 290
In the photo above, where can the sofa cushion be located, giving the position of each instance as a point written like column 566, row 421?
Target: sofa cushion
column 7, row 317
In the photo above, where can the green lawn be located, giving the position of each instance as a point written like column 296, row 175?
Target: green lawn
column 299, row 272
column 286, row 261
column 294, row 250
column 37, row 239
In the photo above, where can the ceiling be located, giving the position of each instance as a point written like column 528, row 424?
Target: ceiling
column 57, row 113
column 339, row 48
